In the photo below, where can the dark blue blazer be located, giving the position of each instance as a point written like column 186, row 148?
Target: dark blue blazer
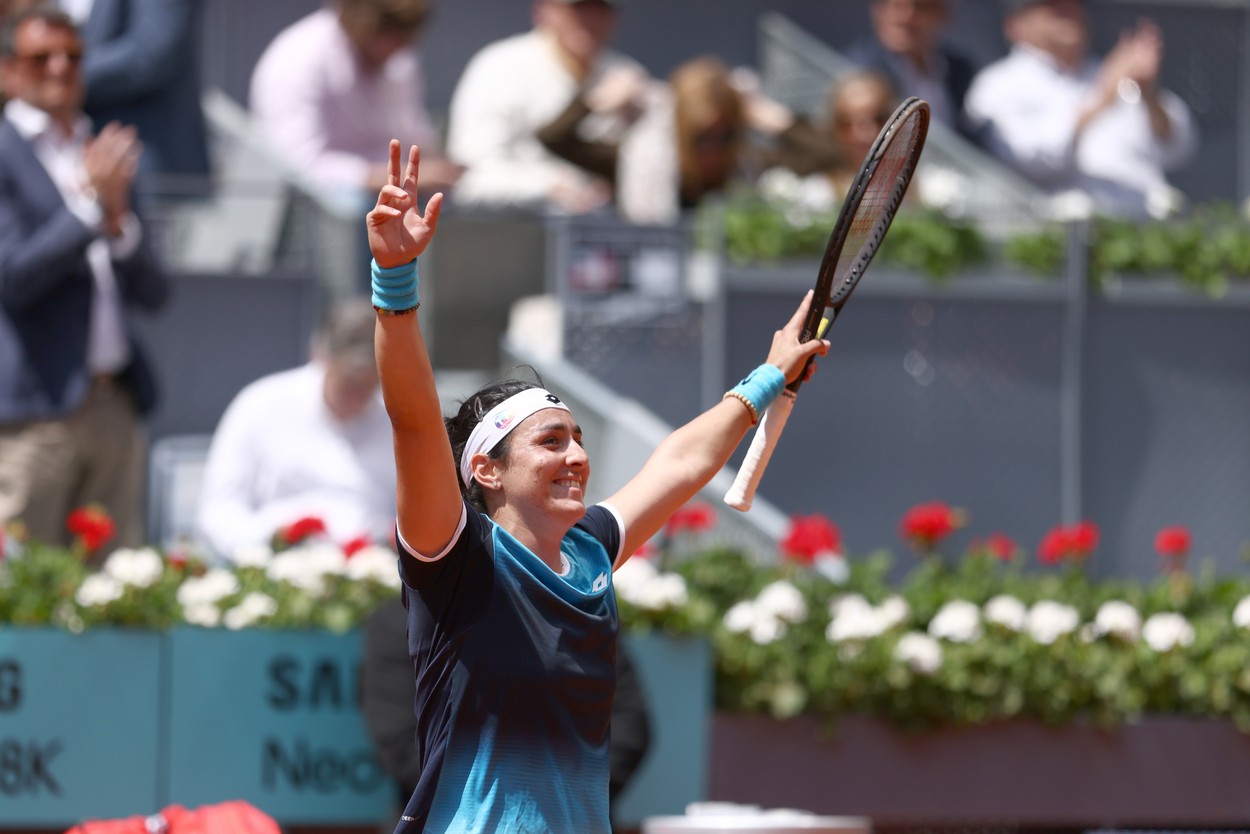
column 141, row 68
column 870, row 54
column 46, row 289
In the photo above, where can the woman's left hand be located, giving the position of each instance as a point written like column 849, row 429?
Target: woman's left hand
column 791, row 355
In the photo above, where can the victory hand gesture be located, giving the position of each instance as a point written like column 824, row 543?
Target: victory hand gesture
column 398, row 233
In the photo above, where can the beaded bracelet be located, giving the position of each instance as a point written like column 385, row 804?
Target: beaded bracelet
column 759, row 389
column 395, row 288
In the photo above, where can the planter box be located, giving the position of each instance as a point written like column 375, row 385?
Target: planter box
column 77, row 734
column 1161, row 771
column 272, row 717
column 676, row 677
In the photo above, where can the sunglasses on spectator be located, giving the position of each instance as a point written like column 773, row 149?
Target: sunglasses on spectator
column 41, row 60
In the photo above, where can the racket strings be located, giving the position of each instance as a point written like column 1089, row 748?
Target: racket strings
column 882, row 194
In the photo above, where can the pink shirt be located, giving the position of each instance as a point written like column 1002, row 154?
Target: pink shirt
column 325, row 112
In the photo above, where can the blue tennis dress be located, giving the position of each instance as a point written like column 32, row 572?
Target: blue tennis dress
column 515, row 668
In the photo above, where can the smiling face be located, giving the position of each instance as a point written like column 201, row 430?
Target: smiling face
column 43, row 70
column 541, row 480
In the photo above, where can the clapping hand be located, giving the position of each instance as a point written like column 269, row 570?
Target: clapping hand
column 398, row 232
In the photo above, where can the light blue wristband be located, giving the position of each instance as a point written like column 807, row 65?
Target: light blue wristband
column 760, row 388
column 395, row 289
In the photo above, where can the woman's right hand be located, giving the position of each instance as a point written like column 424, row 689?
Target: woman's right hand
column 398, row 233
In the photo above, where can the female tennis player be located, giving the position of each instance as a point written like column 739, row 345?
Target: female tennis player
column 507, row 574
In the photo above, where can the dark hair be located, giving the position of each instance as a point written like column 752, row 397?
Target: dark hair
column 460, row 425
column 46, row 12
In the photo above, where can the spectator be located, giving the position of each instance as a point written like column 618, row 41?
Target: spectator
column 9, row 8
column 336, row 85
column 73, row 381
column 906, row 48
column 387, row 692
column 1068, row 121
column 860, row 104
column 141, row 67
column 311, row 441
column 698, row 134
column 512, row 88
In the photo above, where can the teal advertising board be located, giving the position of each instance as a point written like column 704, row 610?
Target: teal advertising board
column 676, row 677
column 272, row 717
column 77, row 735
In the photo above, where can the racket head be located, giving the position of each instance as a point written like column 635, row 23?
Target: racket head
column 867, row 212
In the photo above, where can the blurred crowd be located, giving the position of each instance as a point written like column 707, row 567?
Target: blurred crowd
column 102, row 95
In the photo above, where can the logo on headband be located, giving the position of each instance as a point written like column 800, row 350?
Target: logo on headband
column 504, row 420
column 552, row 398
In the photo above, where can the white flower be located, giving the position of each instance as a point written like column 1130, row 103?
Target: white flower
column 855, row 621
column 779, row 186
column 639, row 583
column 250, row 610
column 1049, row 620
column 783, row 601
column 943, row 189
column 204, row 614
column 1241, row 614
column 252, row 556
column 893, row 612
column 1117, row 619
column 98, row 589
column 139, row 568
column 738, row 618
column 307, row 567
column 766, row 628
column 374, row 564
column 207, row 589
column 1073, row 205
column 921, row 653
column 853, row 604
column 958, row 621
column 1163, row 201
column 1164, row 632
column 1006, row 611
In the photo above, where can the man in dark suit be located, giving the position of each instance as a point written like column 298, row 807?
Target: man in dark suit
column 72, row 253
column 141, row 68
column 906, row 48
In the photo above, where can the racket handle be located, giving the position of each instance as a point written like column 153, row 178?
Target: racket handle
column 742, row 493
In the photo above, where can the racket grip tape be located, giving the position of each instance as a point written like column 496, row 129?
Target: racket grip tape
column 741, row 495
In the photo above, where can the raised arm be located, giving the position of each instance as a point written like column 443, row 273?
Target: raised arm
column 688, row 458
column 427, row 490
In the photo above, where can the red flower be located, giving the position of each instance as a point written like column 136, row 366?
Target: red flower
column 811, row 536
column 697, row 517
column 354, row 546
column 301, row 529
column 925, row 525
column 1172, row 542
column 91, row 526
column 999, row 546
column 1072, row 543
column 647, row 551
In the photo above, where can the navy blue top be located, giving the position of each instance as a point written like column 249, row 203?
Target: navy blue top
column 516, row 671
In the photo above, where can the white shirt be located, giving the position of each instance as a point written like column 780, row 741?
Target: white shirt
column 322, row 109
column 108, row 348
column 279, row 455
column 1032, row 104
column 509, row 90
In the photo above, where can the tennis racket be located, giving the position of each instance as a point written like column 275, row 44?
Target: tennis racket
column 869, row 208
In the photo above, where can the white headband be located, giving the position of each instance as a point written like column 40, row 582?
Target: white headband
column 502, row 419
